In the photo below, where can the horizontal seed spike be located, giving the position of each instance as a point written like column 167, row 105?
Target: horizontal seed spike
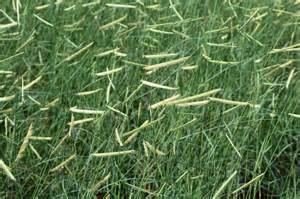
column 194, row 97
column 6, row 72
column 111, row 154
column 76, row 122
column 84, row 93
column 114, row 5
column 151, row 84
column 219, row 61
column 39, row 138
column 85, row 111
column 109, row 72
column 231, row 102
column 107, row 52
column 294, row 115
column 7, row 98
column 189, row 67
column 165, row 64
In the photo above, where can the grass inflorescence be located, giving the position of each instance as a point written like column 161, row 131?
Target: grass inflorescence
column 158, row 98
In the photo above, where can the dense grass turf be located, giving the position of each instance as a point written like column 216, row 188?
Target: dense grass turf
column 71, row 90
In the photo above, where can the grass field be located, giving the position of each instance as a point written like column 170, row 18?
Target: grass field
column 149, row 99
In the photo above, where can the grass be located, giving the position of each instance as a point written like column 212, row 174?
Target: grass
column 161, row 99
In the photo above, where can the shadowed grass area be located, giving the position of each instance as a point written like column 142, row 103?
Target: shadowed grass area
column 149, row 99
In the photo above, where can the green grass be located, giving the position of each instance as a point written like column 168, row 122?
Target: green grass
column 215, row 153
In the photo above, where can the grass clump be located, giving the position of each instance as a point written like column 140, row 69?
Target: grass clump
column 162, row 99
